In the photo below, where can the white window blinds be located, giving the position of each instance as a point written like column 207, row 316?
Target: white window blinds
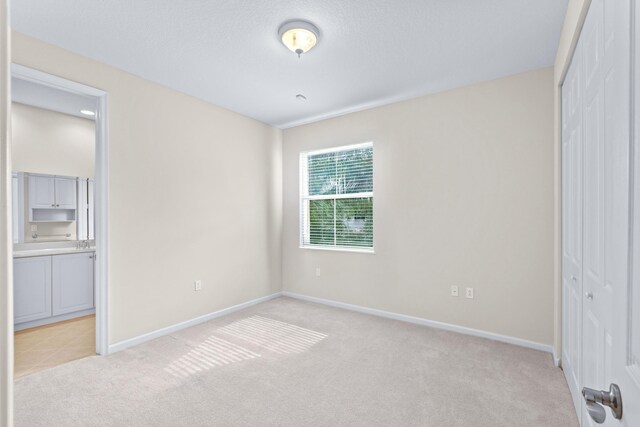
column 336, row 198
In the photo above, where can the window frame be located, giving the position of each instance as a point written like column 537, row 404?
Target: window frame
column 304, row 197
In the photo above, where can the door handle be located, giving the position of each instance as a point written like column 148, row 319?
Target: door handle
column 596, row 398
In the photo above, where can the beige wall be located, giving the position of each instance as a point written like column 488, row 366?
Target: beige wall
column 463, row 196
column 576, row 14
column 194, row 193
column 52, row 143
column 48, row 142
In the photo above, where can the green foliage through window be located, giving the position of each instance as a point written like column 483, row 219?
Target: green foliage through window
column 330, row 217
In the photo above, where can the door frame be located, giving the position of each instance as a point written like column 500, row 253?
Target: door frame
column 101, row 183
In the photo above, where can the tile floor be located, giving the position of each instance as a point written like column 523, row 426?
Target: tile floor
column 43, row 347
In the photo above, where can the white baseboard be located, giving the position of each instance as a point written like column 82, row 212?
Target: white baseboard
column 186, row 324
column 556, row 358
column 425, row 322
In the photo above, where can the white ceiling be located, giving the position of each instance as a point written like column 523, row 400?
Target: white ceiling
column 371, row 52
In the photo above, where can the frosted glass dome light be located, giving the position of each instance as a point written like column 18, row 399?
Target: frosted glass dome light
column 299, row 36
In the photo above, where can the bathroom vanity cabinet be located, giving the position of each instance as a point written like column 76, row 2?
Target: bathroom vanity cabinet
column 52, row 288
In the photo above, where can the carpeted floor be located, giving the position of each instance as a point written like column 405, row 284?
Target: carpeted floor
column 292, row 363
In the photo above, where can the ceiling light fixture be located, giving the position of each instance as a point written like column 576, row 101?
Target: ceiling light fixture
column 299, row 36
column 87, row 112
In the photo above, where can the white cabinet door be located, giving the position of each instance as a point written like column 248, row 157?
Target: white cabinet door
column 42, row 192
column 31, row 288
column 72, row 282
column 66, row 189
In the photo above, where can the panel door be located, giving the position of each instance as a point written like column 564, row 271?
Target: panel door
column 626, row 355
column 606, row 61
column 66, row 191
column 72, row 282
column 31, row 288
column 572, row 227
column 42, row 193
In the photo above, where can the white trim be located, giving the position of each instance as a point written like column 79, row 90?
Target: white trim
column 101, row 225
column 424, row 322
column 122, row 345
column 365, row 195
column 101, row 180
column 338, row 148
column 6, row 240
column 556, row 358
column 49, row 80
column 363, row 250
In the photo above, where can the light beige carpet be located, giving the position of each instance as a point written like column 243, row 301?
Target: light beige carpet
column 292, row 363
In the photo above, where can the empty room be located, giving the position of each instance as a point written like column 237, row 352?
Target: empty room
column 320, row 213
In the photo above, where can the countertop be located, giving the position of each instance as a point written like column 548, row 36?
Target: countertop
column 32, row 250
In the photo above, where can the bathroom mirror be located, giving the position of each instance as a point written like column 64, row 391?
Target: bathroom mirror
column 49, row 208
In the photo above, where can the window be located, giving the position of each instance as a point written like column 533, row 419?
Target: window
column 336, row 198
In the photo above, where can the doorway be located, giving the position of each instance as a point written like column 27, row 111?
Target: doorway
column 64, row 231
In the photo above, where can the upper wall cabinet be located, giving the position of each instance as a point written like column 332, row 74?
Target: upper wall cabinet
column 52, row 198
column 66, row 189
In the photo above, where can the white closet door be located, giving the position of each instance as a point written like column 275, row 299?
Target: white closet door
column 596, row 224
column 572, row 227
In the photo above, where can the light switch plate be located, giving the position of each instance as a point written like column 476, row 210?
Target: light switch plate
column 317, row 271
column 454, row 291
column 197, row 285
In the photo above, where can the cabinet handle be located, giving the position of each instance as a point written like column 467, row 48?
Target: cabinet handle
column 53, row 205
column 91, row 256
column 57, row 206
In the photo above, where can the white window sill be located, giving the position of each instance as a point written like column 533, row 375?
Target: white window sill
column 369, row 251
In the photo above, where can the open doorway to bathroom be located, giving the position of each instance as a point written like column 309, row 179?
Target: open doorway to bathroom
column 59, row 188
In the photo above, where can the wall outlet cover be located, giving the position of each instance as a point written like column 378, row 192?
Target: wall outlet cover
column 469, row 293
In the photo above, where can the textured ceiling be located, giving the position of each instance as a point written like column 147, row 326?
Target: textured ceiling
column 371, row 52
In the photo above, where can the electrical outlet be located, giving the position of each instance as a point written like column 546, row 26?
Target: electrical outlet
column 197, row 285
column 454, row 291
column 317, row 271
column 469, row 293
